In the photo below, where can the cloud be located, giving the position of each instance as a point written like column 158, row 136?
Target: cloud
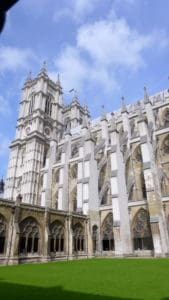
column 102, row 49
column 4, row 145
column 76, row 10
column 13, row 58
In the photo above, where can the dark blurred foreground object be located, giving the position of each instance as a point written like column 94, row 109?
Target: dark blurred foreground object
column 5, row 5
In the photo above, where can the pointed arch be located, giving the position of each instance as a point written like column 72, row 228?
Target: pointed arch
column 165, row 117
column 78, row 238
column 29, row 236
column 57, row 237
column 2, row 233
column 165, row 145
column 141, row 231
column 107, row 235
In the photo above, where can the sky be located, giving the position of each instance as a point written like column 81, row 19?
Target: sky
column 105, row 49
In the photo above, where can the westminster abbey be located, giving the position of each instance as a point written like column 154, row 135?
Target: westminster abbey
column 80, row 188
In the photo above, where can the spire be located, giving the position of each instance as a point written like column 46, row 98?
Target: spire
column 75, row 96
column 146, row 97
column 123, row 105
column 58, row 79
column 112, row 122
column 43, row 69
column 29, row 77
column 103, row 114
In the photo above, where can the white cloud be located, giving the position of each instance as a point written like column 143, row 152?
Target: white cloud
column 77, row 10
column 113, row 43
column 13, row 58
column 4, row 145
column 101, row 50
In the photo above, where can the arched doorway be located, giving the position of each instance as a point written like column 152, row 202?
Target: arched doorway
column 56, row 241
column 29, row 236
column 78, row 238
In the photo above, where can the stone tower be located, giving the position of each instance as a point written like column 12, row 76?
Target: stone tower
column 38, row 127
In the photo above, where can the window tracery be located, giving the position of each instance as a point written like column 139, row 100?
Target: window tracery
column 107, row 234
column 29, row 236
column 48, row 106
column 56, row 237
column 78, row 238
column 142, row 238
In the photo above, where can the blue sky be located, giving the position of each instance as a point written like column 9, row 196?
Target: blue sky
column 103, row 49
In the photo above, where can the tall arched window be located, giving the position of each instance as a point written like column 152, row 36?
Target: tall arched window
column 29, row 236
column 142, row 238
column 107, row 234
column 32, row 103
column 2, row 234
column 56, row 237
column 48, row 106
column 78, row 238
column 166, row 118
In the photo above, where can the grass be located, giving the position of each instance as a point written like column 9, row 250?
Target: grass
column 95, row 279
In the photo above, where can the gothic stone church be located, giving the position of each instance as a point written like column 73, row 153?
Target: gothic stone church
column 78, row 188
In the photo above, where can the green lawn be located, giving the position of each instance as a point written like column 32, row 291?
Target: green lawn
column 95, row 279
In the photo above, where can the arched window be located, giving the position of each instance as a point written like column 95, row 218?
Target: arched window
column 74, row 151
column 165, row 146
column 56, row 237
column 29, row 236
column 78, row 238
column 144, row 193
column 73, row 171
column 45, row 156
column 107, row 234
column 74, row 198
column 102, row 176
column 48, row 106
column 142, row 238
column 2, row 234
column 32, row 103
column 166, row 118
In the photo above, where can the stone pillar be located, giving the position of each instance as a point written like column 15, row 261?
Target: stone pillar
column 89, row 239
column 105, row 133
column 157, row 217
column 13, row 237
column 69, row 237
column 45, row 247
column 122, row 233
column 125, row 119
column 52, row 156
column 66, row 156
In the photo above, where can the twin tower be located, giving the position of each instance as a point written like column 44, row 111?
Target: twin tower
column 42, row 122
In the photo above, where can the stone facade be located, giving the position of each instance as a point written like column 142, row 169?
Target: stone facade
column 77, row 187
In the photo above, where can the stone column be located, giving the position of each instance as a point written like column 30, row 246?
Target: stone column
column 69, row 237
column 13, row 237
column 122, row 233
column 157, row 217
column 46, row 235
